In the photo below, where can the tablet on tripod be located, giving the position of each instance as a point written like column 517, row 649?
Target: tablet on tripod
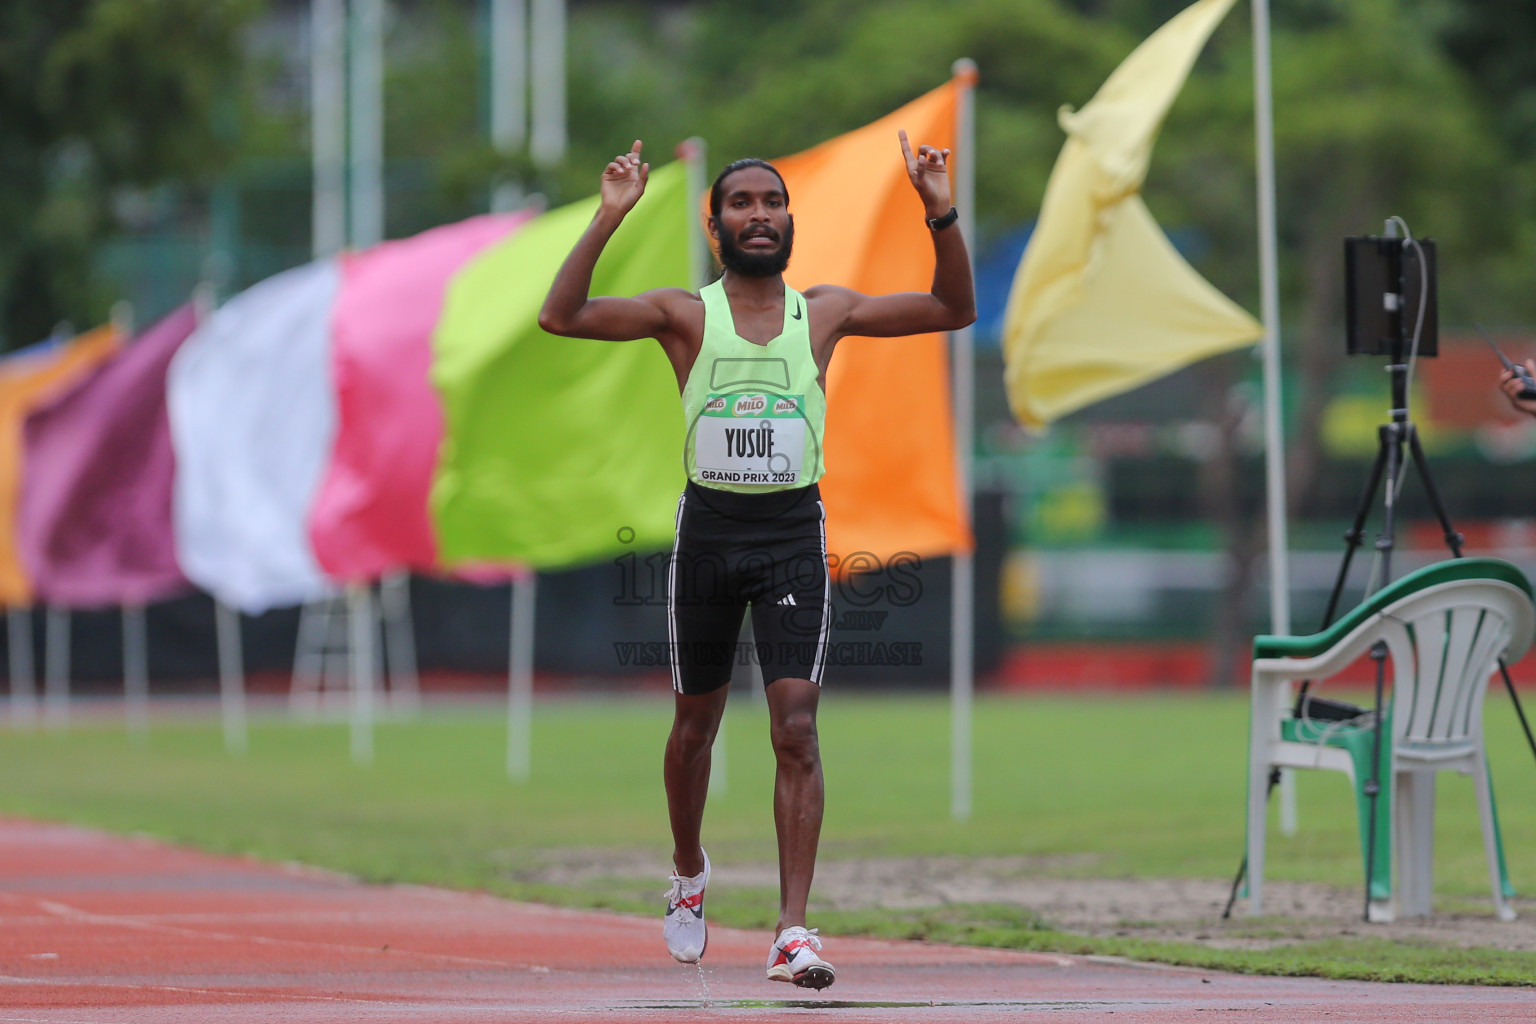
column 1383, row 282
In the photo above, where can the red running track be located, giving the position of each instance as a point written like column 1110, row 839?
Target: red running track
column 97, row 928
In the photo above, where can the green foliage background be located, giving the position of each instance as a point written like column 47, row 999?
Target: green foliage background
column 123, row 119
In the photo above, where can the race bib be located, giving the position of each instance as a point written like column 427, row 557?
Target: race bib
column 750, row 439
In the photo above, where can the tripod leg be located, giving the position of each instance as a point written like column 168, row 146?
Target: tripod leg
column 1453, row 539
column 1509, row 684
column 1352, row 538
column 1356, row 532
column 1242, row 869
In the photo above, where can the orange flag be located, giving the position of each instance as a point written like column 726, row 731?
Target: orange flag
column 27, row 383
column 891, row 483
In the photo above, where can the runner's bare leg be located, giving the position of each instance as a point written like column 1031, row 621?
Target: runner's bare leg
column 696, row 719
column 799, row 792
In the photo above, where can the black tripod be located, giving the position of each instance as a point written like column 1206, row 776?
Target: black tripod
column 1391, row 440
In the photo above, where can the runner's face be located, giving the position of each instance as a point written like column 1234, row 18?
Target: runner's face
column 754, row 228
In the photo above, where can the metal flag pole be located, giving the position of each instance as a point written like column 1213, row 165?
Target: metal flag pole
column 135, row 627
column 367, row 123
column 56, row 668
column 520, row 677
column 547, row 135
column 962, row 611
column 509, row 91
column 695, row 154
column 366, row 160
column 231, row 677
column 328, row 117
column 360, row 624
column 399, row 641
column 18, row 621
column 136, row 672
column 1269, row 305
column 226, row 619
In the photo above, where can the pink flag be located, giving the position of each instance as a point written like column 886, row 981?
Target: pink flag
column 94, row 519
column 370, row 514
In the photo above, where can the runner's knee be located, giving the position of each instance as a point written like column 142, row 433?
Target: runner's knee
column 794, row 740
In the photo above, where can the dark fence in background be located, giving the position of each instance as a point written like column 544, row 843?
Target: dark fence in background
column 892, row 628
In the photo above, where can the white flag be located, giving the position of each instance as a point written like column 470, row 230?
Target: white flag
column 253, row 414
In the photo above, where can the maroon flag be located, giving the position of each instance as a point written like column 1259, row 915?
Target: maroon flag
column 94, row 519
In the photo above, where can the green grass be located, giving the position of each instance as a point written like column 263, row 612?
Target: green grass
column 1109, row 786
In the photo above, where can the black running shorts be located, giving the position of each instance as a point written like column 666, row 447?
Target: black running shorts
column 765, row 550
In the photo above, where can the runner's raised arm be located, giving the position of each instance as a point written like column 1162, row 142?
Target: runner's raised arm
column 569, row 309
column 951, row 303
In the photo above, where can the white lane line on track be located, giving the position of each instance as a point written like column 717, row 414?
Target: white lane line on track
column 268, row 916
column 263, row 995
column 64, row 910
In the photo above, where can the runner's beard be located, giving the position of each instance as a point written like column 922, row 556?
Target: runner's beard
column 757, row 264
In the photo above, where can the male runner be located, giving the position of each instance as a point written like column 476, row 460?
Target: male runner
column 751, row 359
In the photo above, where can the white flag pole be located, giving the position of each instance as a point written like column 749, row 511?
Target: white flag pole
column 18, row 621
column 509, row 91
column 226, row 620
column 56, row 668
column 694, row 154
column 962, row 620
column 231, row 677
column 1269, row 300
column 136, row 672
column 520, row 678
column 399, row 641
column 360, row 623
column 328, row 118
column 367, row 123
column 547, row 135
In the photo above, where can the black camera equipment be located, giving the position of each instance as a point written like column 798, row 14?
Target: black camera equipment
column 1390, row 310
column 1384, row 279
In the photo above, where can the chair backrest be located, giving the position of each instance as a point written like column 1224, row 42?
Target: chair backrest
column 1445, row 641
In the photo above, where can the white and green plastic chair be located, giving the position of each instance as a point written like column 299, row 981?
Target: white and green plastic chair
column 1445, row 628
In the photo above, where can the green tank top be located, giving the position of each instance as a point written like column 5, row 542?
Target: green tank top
column 755, row 413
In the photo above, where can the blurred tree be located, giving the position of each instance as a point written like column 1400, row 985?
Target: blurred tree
column 1492, row 41
column 1423, row 108
column 97, row 97
column 1372, row 119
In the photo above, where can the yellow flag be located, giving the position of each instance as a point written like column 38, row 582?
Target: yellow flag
column 1102, row 303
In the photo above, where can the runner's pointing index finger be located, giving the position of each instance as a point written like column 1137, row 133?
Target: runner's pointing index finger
column 906, row 147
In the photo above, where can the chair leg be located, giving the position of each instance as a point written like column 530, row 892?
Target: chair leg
column 1258, row 815
column 1378, row 868
column 1415, row 841
column 1498, row 837
column 1491, row 844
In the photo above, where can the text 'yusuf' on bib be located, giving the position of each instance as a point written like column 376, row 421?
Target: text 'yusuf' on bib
column 756, row 438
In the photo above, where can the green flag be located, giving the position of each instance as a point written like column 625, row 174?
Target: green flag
column 559, row 451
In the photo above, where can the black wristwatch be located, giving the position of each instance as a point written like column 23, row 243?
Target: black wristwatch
column 940, row 223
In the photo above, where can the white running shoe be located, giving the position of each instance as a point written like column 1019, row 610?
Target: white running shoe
column 795, row 957
column 684, row 925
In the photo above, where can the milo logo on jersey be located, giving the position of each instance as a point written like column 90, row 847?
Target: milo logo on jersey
column 750, row 438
